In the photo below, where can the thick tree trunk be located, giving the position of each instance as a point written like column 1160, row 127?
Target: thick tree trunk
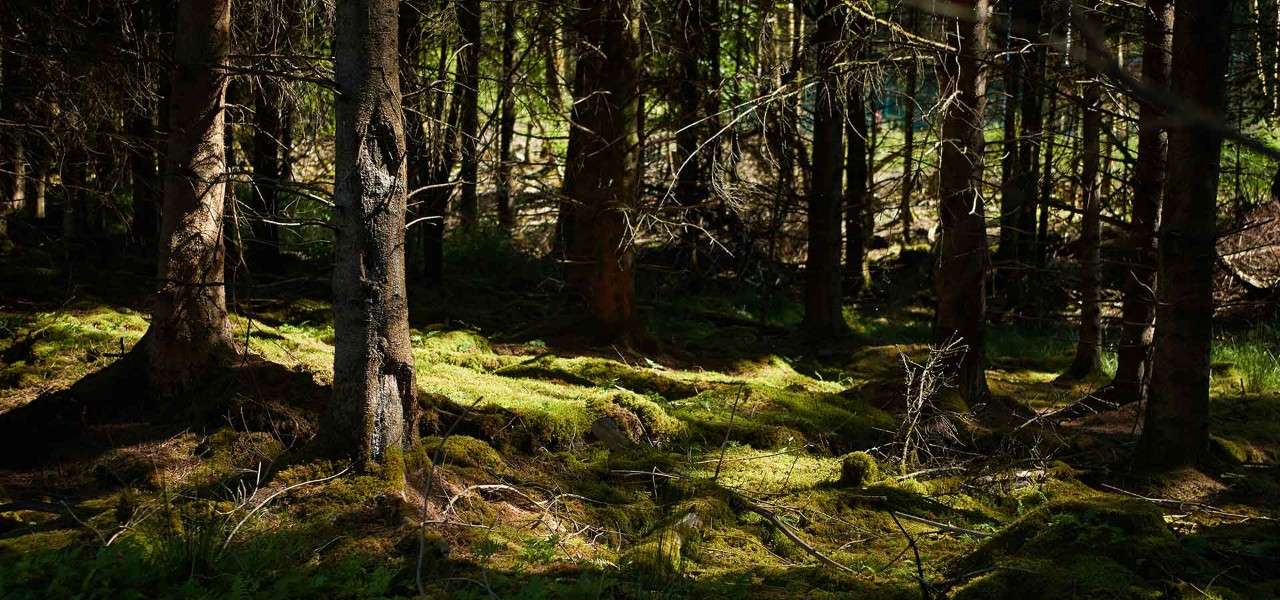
column 823, row 316
column 189, row 334
column 960, row 275
column 469, row 85
column 856, row 194
column 604, row 169
column 374, row 404
column 507, row 124
column 1133, row 370
column 1088, row 356
column 1176, row 428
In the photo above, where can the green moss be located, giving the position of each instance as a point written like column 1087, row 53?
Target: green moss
column 858, row 469
column 1105, row 547
column 585, row 370
column 1227, row 450
column 49, row 350
column 814, row 409
column 462, row 450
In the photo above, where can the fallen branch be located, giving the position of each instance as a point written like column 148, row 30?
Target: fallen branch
column 1195, row 506
column 772, row 517
column 940, row 525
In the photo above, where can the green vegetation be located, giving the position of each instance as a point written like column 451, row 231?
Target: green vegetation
column 573, row 520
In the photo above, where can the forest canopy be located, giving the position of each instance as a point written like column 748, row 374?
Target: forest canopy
column 640, row 298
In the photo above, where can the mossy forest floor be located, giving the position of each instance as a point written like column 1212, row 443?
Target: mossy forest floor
column 742, row 429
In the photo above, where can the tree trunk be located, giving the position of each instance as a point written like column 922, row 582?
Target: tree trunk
column 374, row 402
column 823, row 316
column 1047, row 183
column 507, row 126
column 1032, row 133
column 603, row 172
column 856, row 276
column 960, row 275
column 418, row 102
column 469, row 85
column 1176, row 428
column 692, row 184
column 189, row 333
column 1088, row 357
column 268, row 134
column 1133, row 370
column 13, row 161
column 145, row 177
column 443, row 142
column 905, row 218
column 1014, row 66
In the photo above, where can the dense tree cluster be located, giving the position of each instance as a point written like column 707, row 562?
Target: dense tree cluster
column 1099, row 149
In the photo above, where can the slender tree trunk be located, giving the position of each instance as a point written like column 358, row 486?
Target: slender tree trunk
column 1014, row 69
column 692, row 183
column 962, row 268
column 823, row 316
column 905, row 218
column 1133, row 370
column 856, row 276
column 374, row 395
column 469, row 85
column 604, row 165
column 1032, row 133
column 1176, row 428
column 507, row 125
column 419, row 102
column 551, row 66
column 1088, row 357
column 189, row 334
column 1047, row 181
column 268, row 135
column 147, row 187
column 74, row 183
column 444, row 143
column 39, row 191
column 13, row 161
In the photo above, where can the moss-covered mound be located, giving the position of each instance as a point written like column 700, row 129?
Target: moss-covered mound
column 1097, row 548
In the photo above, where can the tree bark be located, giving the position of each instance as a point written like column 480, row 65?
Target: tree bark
column 962, row 267
column 189, row 334
column 1176, row 427
column 374, row 405
column 268, row 137
column 469, row 85
column 14, row 86
column 1133, row 370
column 823, row 316
column 905, row 218
column 1014, row 68
column 443, row 141
column 603, row 171
column 147, row 186
column 693, row 185
column 507, row 124
column 856, row 194
column 1032, row 133
column 1088, row 355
